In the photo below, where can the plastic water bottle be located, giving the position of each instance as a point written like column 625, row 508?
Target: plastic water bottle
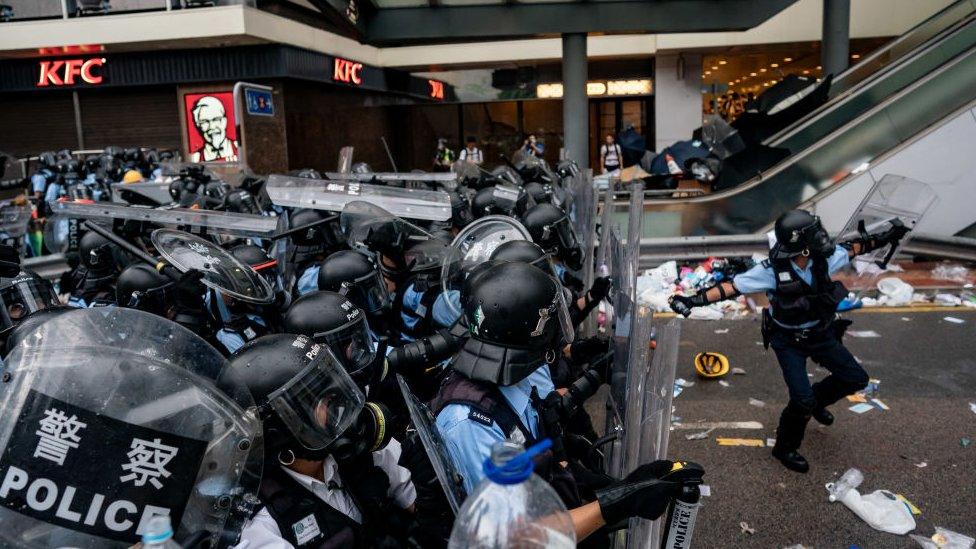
column 851, row 479
column 159, row 534
column 513, row 507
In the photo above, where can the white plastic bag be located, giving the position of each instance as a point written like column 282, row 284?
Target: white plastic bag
column 895, row 291
column 944, row 539
column 881, row 510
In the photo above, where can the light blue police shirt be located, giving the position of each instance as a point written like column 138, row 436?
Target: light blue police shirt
column 761, row 278
column 469, row 442
column 309, row 281
column 440, row 311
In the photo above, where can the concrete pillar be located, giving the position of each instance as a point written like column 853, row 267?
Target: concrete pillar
column 576, row 114
column 677, row 97
column 835, row 43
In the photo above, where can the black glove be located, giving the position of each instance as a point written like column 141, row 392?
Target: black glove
column 582, row 350
column 189, row 290
column 641, row 494
column 897, row 231
column 683, row 304
column 600, row 289
column 9, row 261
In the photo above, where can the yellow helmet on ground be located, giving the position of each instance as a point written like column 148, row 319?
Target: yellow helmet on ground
column 132, row 176
column 709, row 365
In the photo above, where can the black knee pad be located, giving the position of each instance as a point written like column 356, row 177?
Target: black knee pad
column 801, row 407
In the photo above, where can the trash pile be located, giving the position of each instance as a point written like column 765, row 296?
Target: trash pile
column 658, row 284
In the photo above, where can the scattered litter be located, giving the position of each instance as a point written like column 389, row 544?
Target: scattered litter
column 947, row 300
column 879, row 404
column 738, row 372
column 863, row 333
column 954, row 320
column 965, row 442
column 756, row 402
column 869, row 302
column 895, row 292
column 881, row 509
column 677, row 390
column 972, row 407
column 911, row 506
column 699, row 436
column 922, row 465
column 719, row 425
column 682, row 382
column 861, row 408
column 722, row 331
column 705, row 490
column 857, row 397
column 746, row 529
column 770, row 442
column 873, row 388
column 758, row 443
column 797, row 546
column 955, row 273
column 712, row 312
column 944, row 539
column 724, row 383
column 906, row 319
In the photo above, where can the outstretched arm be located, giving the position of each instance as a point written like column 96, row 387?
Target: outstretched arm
column 719, row 292
column 867, row 243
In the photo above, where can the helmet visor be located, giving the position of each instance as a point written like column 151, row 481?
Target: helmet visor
column 352, row 344
column 370, row 291
column 25, row 295
column 320, row 403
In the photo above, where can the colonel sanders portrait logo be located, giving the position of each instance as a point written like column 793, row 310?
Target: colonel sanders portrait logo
column 210, row 127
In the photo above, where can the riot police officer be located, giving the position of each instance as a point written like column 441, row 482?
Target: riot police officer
column 517, row 322
column 93, row 282
column 317, row 489
column 801, row 321
column 321, row 237
column 551, row 229
column 46, row 175
column 356, row 275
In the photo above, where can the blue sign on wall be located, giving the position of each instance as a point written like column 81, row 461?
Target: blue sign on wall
column 258, row 102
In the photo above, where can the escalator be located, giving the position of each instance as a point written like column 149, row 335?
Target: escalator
column 872, row 115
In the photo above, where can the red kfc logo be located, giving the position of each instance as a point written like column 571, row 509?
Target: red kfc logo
column 62, row 72
column 347, row 71
column 436, row 89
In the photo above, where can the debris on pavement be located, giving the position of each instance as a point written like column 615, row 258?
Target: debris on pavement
column 965, row 442
column 756, row 402
column 738, row 372
column 863, row 333
column 740, row 442
column 861, row 408
column 944, row 538
column 954, row 320
column 722, row 331
column 895, row 292
column 857, row 397
column 972, row 407
column 705, row 490
column 881, row 509
column 770, row 442
column 754, row 425
column 724, row 383
column 879, row 404
column 700, row 436
column 921, row 465
column 682, row 382
column 947, row 300
column 955, row 273
column 746, row 529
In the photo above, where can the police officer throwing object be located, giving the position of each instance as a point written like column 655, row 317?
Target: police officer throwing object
column 801, row 321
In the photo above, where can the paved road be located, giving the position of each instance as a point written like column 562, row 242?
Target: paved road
column 927, row 368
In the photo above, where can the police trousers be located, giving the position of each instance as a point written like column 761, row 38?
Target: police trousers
column 825, row 348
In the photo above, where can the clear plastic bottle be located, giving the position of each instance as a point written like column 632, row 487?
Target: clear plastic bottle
column 851, row 479
column 513, row 507
column 159, row 534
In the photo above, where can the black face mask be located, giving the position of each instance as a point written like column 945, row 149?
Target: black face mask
column 819, row 243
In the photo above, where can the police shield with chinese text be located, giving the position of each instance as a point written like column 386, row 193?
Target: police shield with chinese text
column 111, row 417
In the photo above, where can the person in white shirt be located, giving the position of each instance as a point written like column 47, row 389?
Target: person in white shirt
column 331, row 477
column 610, row 156
column 471, row 153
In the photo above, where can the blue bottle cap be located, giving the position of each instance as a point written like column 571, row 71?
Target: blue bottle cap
column 519, row 468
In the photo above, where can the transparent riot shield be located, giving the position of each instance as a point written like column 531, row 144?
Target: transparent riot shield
column 112, row 416
column 221, row 270
column 720, row 137
column 423, row 422
column 222, row 223
column 150, row 192
column 367, row 226
column 892, row 201
column 332, row 195
column 473, row 246
column 15, row 216
column 647, row 424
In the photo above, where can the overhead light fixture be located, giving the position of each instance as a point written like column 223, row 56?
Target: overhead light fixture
column 722, row 61
column 762, row 70
column 752, row 74
column 774, row 65
column 787, row 59
column 819, row 68
column 731, row 84
column 856, row 56
column 806, row 71
column 715, row 67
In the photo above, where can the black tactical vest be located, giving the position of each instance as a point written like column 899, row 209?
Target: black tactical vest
column 794, row 302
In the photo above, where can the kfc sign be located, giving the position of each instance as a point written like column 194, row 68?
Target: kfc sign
column 68, row 72
column 347, row 71
column 436, row 89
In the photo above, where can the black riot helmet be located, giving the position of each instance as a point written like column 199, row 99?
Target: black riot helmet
column 317, row 239
column 240, row 201
column 132, row 156
column 550, row 228
column 111, row 167
column 332, row 319
column 47, row 159
column 517, row 317
column 425, row 257
column 22, row 296
column 460, row 209
column 798, row 232
column 114, row 151
column 96, row 253
column 308, row 173
column 357, row 276
column 309, row 406
column 539, row 192
column 142, row 287
column 499, row 200
column 523, row 251
column 92, row 164
column 259, row 260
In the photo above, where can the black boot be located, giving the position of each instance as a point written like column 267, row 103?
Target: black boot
column 792, row 423
column 823, row 416
column 791, row 459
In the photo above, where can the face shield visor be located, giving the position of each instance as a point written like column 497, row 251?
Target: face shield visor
column 369, row 292
column 320, row 403
column 570, row 249
column 353, row 346
column 24, row 295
